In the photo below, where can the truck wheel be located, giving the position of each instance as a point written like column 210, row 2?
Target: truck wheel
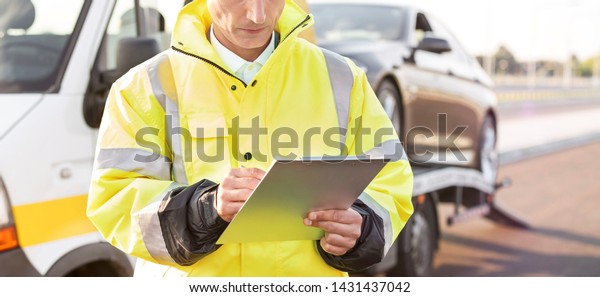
column 417, row 243
column 389, row 97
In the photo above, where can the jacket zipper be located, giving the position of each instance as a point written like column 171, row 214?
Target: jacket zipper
column 297, row 26
column 209, row 62
column 221, row 68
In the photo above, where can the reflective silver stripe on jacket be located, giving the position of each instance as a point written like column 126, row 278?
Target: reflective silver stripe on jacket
column 391, row 149
column 382, row 212
column 143, row 162
column 150, row 227
column 342, row 80
column 161, row 75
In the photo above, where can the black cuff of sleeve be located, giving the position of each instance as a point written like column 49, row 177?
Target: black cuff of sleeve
column 203, row 220
column 189, row 222
column 369, row 247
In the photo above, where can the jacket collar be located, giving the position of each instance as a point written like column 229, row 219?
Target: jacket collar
column 193, row 24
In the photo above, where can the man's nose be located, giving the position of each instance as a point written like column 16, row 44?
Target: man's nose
column 256, row 12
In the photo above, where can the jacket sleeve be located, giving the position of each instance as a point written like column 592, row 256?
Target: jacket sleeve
column 133, row 200
column 386, row 204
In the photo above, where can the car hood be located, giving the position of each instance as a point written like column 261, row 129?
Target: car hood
column 357, row 48
column 13, row 107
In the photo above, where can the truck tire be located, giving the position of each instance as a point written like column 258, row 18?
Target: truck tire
column 417, row 242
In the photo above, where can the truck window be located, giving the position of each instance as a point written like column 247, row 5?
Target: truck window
column 122, row 25
column 157, row 19
column 35, row 39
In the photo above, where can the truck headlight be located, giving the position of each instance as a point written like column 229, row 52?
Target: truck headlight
column 8, row 234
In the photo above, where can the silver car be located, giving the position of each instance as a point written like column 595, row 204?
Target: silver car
column 437, row 95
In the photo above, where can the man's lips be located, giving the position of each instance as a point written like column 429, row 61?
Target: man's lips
column 253, row 30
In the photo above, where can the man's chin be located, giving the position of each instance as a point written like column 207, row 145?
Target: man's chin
column 254, row 43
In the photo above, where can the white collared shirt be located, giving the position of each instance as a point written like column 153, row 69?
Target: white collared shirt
column 243, row 69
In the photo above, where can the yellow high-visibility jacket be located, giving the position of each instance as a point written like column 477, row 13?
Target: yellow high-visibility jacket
column 174, row 126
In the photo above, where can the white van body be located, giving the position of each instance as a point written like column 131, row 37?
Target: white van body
column 53, row 57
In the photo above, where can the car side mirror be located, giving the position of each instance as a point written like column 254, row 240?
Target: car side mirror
column 130, row 53
column 429, row 44
column 434, row 45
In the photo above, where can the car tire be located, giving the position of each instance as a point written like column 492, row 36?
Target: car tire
column 487, row 162
column 389, row 97
column 488, row 154
column 417, row 243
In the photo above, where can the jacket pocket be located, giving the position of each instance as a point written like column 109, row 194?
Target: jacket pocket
column 210, row 145
column 207, row 126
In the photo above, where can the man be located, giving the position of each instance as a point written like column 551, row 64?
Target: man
column 186, row 136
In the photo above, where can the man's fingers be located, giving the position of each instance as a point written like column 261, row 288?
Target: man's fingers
column 248, row 172
column 235, row 189
column 235, row 195
column 332, row 249
column 351, row 231
column 339, row 240
column 341, row 216
column 249, row 183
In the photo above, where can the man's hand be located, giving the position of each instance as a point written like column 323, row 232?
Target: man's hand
column 342, row 229
column 235, row 190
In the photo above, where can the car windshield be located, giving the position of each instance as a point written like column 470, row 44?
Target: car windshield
column 335, row 22
column 34, row 41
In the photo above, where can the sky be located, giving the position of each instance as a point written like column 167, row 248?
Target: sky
column 530, row 29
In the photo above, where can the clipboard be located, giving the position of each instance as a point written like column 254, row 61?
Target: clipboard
column 291, row 188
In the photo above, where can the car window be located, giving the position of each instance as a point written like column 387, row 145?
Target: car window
column 358, row 22
column 458, row 52
column 422, row 28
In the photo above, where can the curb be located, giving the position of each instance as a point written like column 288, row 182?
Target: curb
column 548, row 148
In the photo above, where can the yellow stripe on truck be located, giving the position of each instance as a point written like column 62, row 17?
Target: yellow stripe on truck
column 51, row 220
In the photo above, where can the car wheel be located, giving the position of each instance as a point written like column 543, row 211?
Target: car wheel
column 389, row 97
column 417, row 243
column 487, row 163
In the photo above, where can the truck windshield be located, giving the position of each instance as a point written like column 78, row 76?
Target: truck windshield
column 341, row 22
column 34, row 42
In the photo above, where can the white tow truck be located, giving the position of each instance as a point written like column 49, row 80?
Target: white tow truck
column 57, row 61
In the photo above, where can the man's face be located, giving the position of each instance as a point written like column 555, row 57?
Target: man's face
column 245, row 24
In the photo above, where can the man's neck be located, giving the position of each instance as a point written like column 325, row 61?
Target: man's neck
column 244, row 53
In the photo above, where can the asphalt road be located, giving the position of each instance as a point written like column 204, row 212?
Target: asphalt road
column 559, row 195
column 524, row 125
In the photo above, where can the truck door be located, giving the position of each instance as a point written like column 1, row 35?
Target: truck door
column 129, row 19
